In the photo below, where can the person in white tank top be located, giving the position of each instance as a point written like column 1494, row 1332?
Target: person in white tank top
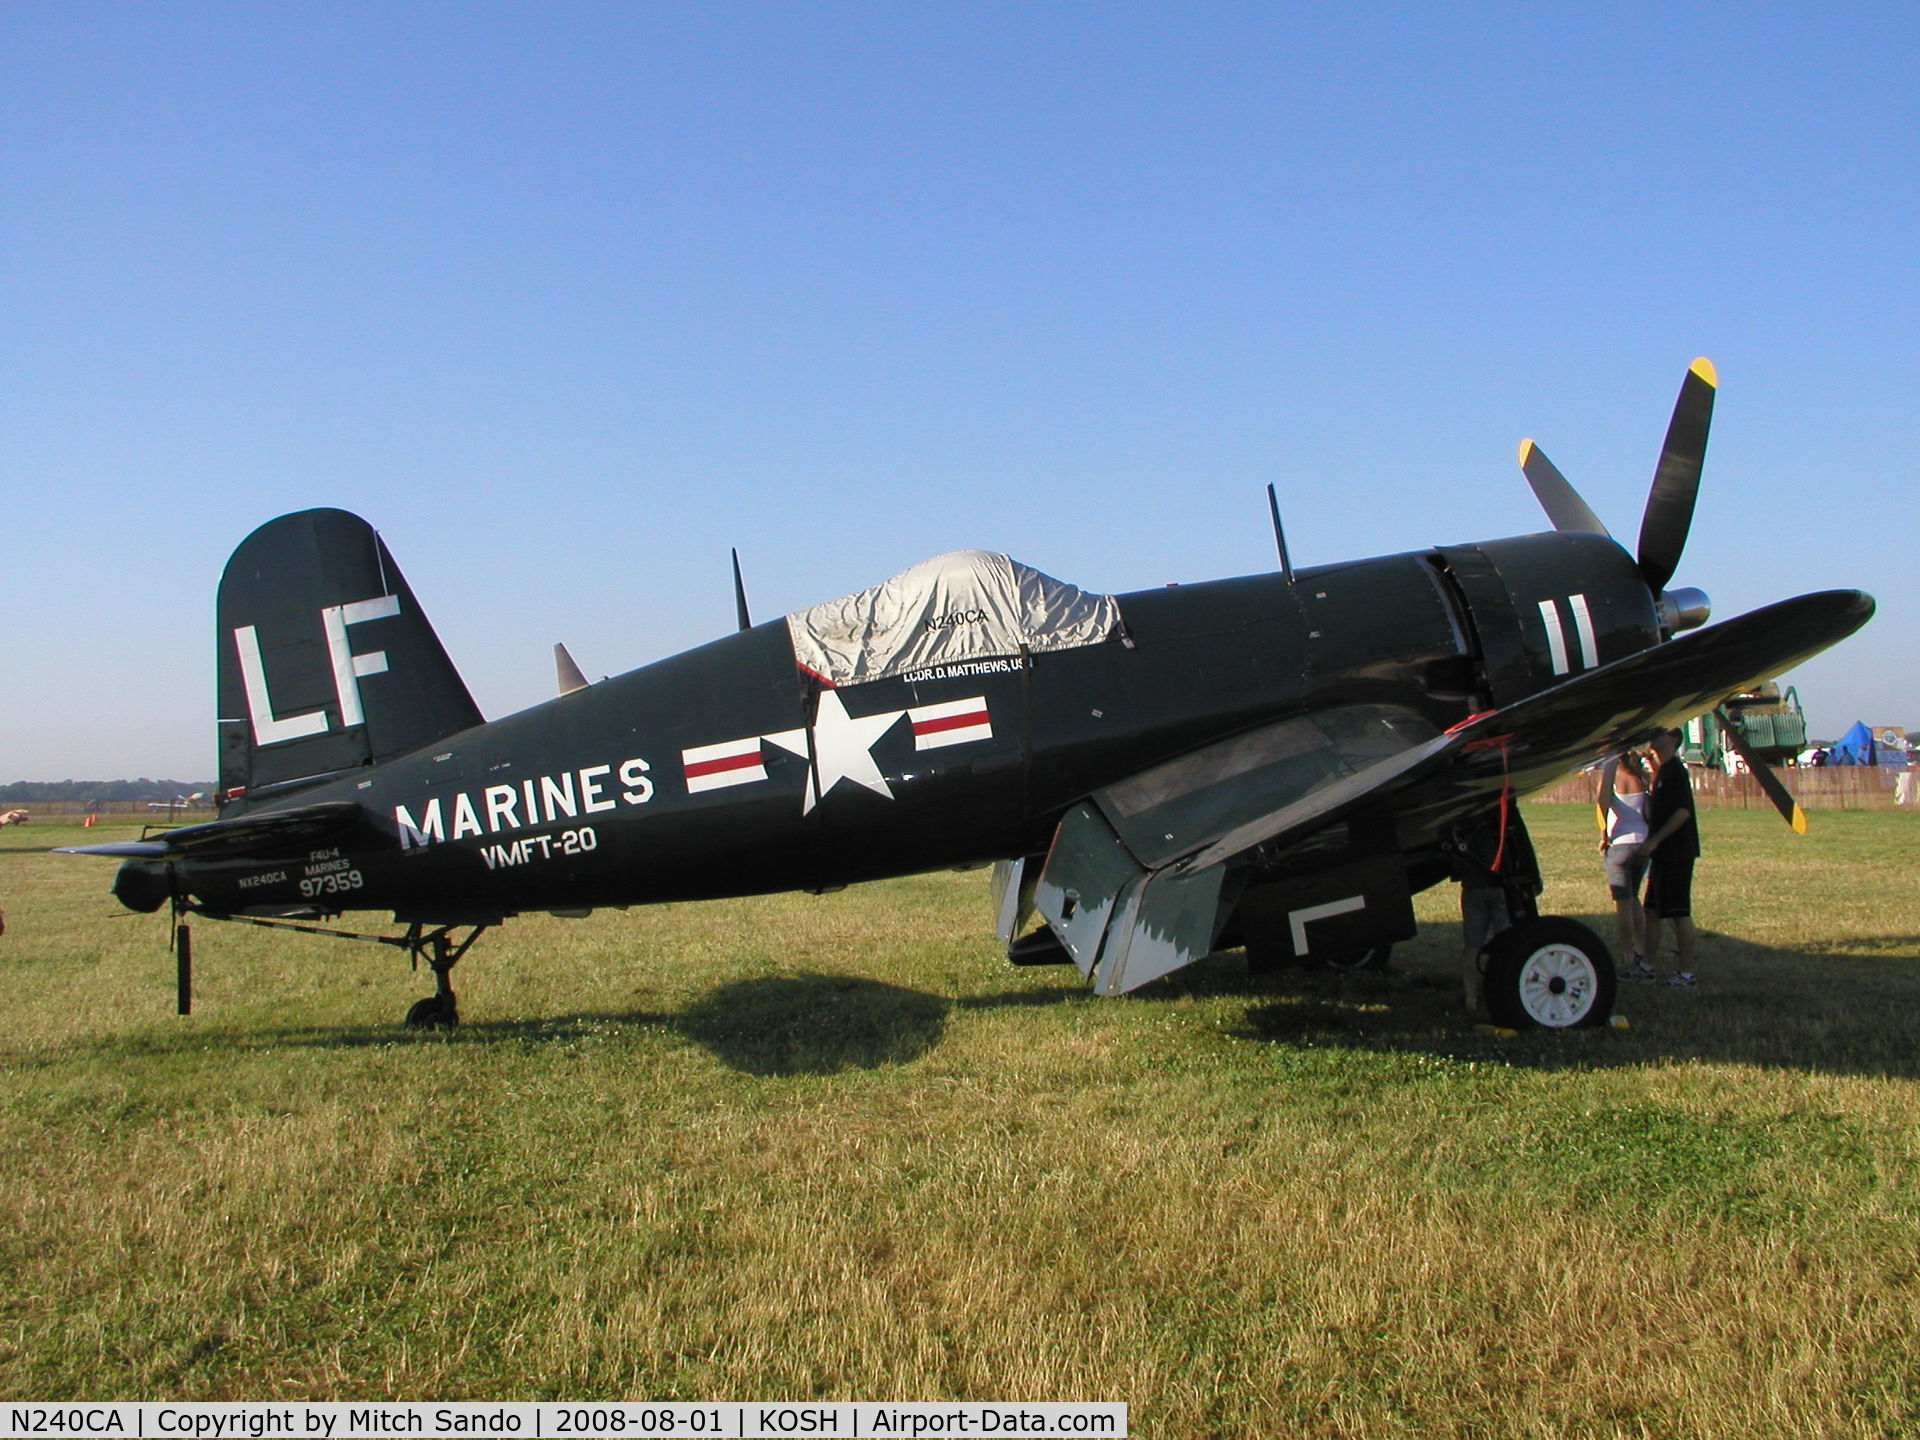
column 1626, row 816
column 1622, row 800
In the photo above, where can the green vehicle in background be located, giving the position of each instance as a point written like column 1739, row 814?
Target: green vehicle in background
column 1773, row 726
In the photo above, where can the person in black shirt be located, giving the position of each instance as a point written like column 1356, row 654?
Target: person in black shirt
column 1672, row 845
column 1493, row 859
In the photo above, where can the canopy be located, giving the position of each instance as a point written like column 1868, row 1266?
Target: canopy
column 949, row 615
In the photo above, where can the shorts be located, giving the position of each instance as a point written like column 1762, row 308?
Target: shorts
column 1670, row 887
column 1483, row 914
column 1626, row 868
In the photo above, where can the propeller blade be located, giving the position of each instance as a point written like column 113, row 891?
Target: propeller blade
column 1781, row 797
column 1559, row 499
column 1676, row 480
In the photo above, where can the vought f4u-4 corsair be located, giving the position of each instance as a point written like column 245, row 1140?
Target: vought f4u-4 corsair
column 1279, row 761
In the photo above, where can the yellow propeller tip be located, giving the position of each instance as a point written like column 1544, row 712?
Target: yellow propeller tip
column 1703, row 367
column 1526, row 446
column 1798, row 821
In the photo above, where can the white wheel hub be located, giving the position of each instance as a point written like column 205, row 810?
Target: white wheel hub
column 1558, row 985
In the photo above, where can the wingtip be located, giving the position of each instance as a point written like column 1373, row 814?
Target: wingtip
column 1703, row 367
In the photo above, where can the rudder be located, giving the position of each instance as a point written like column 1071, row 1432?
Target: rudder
column 326, row 661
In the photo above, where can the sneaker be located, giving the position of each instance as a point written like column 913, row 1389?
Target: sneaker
column 1680, row 978
column 1640, row 970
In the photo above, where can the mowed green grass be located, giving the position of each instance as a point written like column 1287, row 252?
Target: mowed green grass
column 834, row 1147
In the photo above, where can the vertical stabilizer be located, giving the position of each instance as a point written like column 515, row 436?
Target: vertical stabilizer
column 326, row 661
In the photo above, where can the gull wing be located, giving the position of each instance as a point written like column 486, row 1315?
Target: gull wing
column 1142, row 875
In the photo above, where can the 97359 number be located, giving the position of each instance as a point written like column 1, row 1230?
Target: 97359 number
column 331, row 884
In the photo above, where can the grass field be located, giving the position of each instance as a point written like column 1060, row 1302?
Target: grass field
column 834, row 1147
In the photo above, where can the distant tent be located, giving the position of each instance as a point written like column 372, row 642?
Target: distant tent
column 1856, row 747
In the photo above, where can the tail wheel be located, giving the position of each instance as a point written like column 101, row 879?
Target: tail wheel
column 1549, row 974
column 1374, row 958
column 435, row 1012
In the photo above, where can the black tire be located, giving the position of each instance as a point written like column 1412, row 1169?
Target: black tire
column 435, row 1012
column 1373, row 958
column 1549, row 974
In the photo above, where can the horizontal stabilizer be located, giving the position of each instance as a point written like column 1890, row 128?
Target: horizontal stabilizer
column 272, row 832
column 123, row 849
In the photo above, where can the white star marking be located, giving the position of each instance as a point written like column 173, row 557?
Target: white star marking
column 842, row 748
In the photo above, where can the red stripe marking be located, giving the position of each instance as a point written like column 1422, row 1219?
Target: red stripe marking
column 746, row 760
column 951, row 722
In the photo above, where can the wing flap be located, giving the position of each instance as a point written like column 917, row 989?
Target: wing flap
column 1122, row 923
column 1193, row 801
column 1087, row 868
column 1164, row 920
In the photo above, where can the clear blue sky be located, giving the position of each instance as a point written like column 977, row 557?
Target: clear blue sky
column 569, row 298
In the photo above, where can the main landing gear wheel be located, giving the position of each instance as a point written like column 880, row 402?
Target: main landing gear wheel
column 435, row 1012
column 1549, row 974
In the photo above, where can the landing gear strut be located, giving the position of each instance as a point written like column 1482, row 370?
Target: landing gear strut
column 434, row 944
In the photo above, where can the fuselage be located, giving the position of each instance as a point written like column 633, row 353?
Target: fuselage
column 726, row 770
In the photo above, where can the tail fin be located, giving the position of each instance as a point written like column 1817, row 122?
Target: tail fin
column 327, row 662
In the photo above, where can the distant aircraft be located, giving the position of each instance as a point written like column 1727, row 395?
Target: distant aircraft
column 178, row 803
column 14, row 817
column 1278, row 761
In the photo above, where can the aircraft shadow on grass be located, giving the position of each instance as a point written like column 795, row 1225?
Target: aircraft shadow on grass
column 1808, row 1010
column 805, row 1024
column 1804, row 1010
column 814, row 1024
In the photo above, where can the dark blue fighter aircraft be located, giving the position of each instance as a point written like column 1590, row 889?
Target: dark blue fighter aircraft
column 1277, row 761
